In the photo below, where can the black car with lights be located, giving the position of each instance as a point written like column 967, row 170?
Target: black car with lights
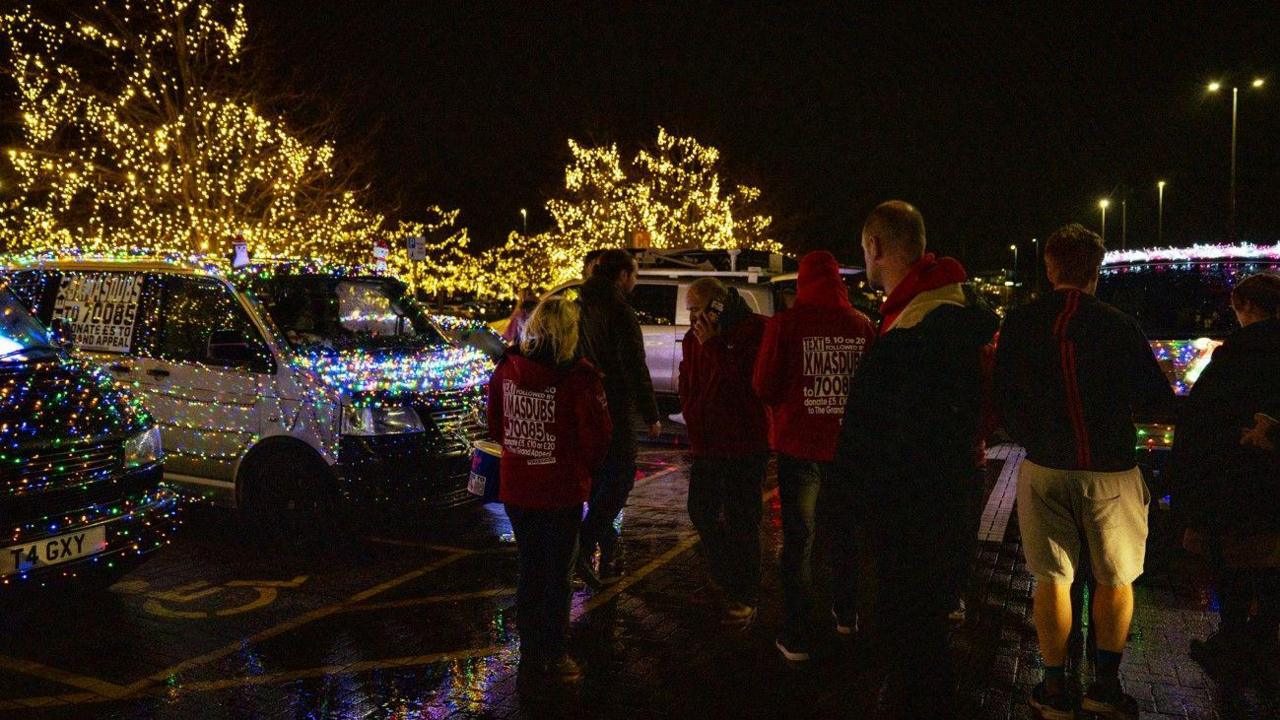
column 81, row 462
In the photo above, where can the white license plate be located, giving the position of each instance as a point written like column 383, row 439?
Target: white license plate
column 52, row 550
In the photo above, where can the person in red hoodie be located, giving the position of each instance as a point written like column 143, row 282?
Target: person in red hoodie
column 807, row 359
column 547, row 409
column 728, row 439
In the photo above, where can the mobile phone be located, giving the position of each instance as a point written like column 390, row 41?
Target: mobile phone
column 714, row 310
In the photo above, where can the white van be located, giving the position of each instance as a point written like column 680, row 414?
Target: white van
column 663, row 286
column 348, row 391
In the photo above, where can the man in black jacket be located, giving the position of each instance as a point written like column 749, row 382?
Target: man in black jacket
column 907, row 445
column 611, row 339
column 1070, row 372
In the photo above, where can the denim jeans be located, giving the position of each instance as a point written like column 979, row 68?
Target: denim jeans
column 799, row 483
column 610, row 487
column 548, row 544
column 725, row 507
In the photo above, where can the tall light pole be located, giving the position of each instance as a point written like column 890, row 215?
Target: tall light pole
column 1160, row 215
column 524, row 217
column 1124, row 223
column 1103, row 203
column 1014, row 248
column 1035, row 262
column 1235, row 104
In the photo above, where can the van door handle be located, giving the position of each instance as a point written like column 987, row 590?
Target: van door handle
column 158, row 373
column 119, row 368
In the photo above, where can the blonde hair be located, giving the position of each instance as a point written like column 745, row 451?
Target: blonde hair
column 553, row 327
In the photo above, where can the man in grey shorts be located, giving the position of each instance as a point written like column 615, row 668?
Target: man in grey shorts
column 1070, row 372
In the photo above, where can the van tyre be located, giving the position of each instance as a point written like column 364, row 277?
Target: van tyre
column 288, row 491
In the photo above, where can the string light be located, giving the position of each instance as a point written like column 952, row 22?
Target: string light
column 1195, row 253
column 672, row 197
column 138, row 135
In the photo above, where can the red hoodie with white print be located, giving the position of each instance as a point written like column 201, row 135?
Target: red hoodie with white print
column 807, row 358
column 554, row 428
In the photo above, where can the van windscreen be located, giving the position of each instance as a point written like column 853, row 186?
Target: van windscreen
column 1178, row 300
column 345, row 313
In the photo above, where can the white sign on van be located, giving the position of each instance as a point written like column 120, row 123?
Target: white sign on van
column 417, row 247
column 102, row 309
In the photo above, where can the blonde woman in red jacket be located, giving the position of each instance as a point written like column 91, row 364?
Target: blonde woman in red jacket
column 547, row 410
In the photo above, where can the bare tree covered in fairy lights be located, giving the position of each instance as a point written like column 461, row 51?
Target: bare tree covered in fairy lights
column 142, row 130
column 672, row 196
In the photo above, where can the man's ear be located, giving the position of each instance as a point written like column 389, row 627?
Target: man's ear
column 875, row 247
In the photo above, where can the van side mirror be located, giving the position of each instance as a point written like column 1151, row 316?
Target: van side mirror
column 62, row 334
column 228, row 347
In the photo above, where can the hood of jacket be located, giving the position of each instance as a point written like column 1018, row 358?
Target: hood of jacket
column 530, row 374
column 928, row 274
column 819, row 283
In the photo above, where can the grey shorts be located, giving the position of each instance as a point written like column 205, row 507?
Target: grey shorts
column 1058, row 509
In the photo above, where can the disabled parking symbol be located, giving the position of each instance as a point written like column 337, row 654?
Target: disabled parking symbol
column 231, row 598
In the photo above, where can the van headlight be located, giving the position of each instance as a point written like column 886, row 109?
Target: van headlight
column 144, row 448
column 380, row 421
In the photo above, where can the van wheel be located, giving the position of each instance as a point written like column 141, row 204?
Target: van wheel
column 288, row 489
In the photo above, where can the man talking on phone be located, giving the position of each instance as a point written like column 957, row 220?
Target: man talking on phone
column 728, row 439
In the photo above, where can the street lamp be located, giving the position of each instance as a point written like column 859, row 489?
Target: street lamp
column 1014, row 248
column 1235, row 103
column 1103, row 203
column 1124, row 223
column 524, row 217
column 1160, row 215
column 1035, row 262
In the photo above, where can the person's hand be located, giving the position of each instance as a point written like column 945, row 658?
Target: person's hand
column 1259, row 435
column 704, row 329
column 655, row 430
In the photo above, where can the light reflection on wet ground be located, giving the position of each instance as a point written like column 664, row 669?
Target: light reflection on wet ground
column 418, row 624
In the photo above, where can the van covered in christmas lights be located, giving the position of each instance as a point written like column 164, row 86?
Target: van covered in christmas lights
column 80, row 461
column 1182, row 299
column 277, row 389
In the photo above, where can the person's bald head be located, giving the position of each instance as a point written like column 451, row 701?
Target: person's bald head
column 892, row 240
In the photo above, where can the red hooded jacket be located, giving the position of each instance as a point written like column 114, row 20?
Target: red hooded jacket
column 808, row 355
column 723, row 414
column 554, row 428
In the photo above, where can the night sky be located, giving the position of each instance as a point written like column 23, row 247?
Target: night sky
column 999, row 125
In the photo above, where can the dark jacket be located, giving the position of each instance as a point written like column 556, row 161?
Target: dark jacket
column 807, row 358
column 611, row 339
column 1217, row 483
column 554, row 429
column 915, row 405
column 1071, row 371
column 722, row 412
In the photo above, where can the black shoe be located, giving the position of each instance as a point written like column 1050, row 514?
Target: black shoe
column 792, row 647
column 587, row 573
column 846, row 626
column 1226, row 644
column 1057, row 706
column 1108, row 700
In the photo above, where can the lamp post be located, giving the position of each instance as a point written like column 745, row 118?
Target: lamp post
column 1124, row 223
column 524, row 217
column 1103, row 203
column 1014, row 248
column 1160, row 215
column 1035, row 262
column 1235, row 104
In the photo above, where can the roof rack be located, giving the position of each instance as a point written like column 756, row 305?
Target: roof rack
column 712, row 260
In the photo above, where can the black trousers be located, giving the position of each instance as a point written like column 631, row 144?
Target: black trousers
column 610, row 487
column 725, row 507
column 915, row 526
column 799, row 484
column 548, row 545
